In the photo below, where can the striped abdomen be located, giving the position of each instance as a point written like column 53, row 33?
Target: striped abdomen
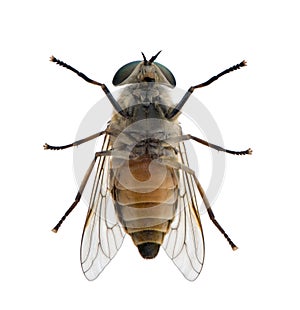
column 145, row 194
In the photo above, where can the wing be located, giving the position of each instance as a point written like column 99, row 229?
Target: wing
column 102, row 234
column 184, row 243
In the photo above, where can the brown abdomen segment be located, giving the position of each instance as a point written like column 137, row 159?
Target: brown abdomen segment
column 145, row 194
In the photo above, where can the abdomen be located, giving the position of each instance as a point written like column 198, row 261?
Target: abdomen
column 145, row 194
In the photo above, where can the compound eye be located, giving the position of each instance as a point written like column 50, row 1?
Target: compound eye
column 124, row 72
column 167, row 73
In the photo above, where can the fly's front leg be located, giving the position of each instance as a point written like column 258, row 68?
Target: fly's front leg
column 187, row 95
column 113, row 101
column 211, row 215
column 76, row 143
column 211, row 145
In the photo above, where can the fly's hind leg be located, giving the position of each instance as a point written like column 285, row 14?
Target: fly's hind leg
column 211, row 215
column 81, row 189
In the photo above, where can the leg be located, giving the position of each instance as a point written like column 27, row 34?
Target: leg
column 211, row 215
column 81, row 188
column 213, row 146
column 178, row 107
column 76, row 143
column 87, row 79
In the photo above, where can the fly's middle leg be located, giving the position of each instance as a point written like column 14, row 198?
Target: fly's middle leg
column 211, row 145
column 177, row 165
column 76, row 143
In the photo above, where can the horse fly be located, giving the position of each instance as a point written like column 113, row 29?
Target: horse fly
column 143, row 185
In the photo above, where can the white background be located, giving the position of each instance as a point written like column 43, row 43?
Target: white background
column 255, row 107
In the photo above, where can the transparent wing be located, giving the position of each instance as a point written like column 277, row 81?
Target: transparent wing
column 184, row 243
column 102, row 234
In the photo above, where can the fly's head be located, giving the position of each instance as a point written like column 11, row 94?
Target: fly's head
column 145, row 71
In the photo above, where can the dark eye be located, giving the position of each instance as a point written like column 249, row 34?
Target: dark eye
column 124, row 72
column 167, row 73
